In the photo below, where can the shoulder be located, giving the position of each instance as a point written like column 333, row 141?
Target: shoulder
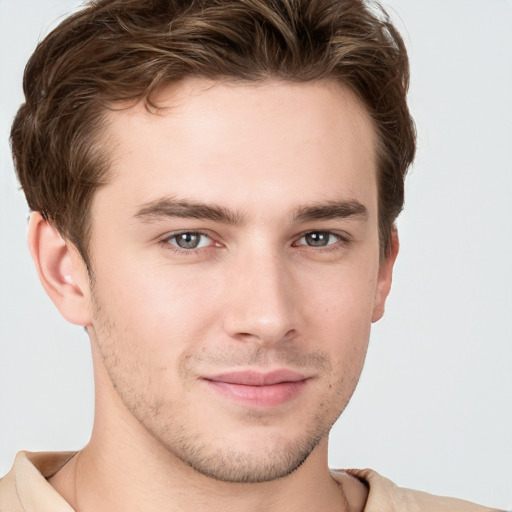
column 25, row 488
column 9, row 500
column 385, row 496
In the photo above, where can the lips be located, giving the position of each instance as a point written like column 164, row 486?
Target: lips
column 258, row 389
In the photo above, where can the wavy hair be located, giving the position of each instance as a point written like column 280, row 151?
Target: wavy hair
column 112, row 51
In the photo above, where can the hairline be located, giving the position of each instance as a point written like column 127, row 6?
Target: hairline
column 106, row 143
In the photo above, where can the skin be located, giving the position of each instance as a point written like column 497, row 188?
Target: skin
column 276, row 183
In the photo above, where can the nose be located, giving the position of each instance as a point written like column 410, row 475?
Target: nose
column 263, row 302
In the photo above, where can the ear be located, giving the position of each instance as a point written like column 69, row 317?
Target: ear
column 385, row 277
column 61, row 270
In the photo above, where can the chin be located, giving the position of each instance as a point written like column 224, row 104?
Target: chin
column 247, row 466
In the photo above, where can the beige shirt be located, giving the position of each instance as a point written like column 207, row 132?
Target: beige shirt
column 25, row 489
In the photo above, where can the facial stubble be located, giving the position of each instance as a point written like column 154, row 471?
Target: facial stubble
column 133, row 379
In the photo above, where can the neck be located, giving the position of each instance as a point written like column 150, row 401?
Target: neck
column 114, row 479
column 119, row 478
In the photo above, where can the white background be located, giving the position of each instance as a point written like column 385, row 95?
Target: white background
column 434, row 405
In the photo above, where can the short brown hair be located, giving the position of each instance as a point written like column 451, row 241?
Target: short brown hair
column 117, row 50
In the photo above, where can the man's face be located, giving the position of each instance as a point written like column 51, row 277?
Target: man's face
column 236, row 263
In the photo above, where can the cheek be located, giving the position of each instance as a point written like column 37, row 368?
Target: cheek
column 345, row 297
column 145, row 324
column 156, row 306
column 343, row 310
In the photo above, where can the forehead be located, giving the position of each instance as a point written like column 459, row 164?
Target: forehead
column 229, row 143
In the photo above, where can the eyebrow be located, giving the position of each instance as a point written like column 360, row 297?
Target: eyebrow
column 331, row 210
column 168, row 207
column 172, row 208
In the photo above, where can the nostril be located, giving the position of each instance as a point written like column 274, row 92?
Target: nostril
column 290, row 334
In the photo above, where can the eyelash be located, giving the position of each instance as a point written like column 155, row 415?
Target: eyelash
column 341, row 241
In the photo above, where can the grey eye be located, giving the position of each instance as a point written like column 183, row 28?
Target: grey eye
column 320, row 238
column 189, row 240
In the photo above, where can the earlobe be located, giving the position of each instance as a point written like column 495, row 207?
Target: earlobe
column 61, row 270
column 385, row 278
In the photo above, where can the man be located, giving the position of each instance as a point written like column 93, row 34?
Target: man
column 214, row 188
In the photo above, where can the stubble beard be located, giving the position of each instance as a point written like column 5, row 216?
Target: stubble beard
column 231, row 464
column 242, row 466
column 186, row 442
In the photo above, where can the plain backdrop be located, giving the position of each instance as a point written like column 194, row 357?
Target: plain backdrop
column 434, row 406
